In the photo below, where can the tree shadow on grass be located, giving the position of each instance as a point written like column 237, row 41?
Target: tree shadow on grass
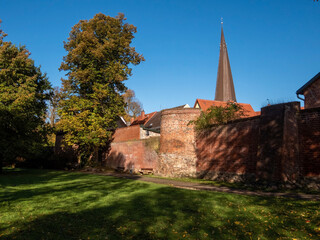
column 61, row 184
column 19, row 177
column 110, row 208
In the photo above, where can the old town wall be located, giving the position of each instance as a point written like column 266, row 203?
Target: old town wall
column 133, row 155
column 309, row 142
column 177, row 156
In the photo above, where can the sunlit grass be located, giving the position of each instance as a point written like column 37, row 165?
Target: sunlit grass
column 40, row 204
column 240, row 185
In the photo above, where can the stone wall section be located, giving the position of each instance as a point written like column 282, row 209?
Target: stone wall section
column 229, row 151
column 280, row 145
column 133, row 155
column 127, row 134
column 277, row 158
column 290, row 162
column 309, row 133
column 177, row 157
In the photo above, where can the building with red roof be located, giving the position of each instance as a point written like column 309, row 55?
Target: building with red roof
column 205, row 104
column 143, row 118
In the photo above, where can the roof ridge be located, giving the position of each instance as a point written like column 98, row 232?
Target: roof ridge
column 153, row 113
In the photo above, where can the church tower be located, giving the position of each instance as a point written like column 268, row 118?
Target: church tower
column 224, row 88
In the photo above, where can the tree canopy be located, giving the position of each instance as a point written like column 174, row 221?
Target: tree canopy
column 98, row 60
column 24, row 91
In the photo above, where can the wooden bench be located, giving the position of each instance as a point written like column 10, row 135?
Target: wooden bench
column 120, row 169
column 146, row 170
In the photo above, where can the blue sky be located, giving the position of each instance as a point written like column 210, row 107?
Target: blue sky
column 274, row 46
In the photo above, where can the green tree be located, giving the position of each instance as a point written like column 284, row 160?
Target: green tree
column 23, row 94
column 133, row 107
column 97, row 63
column 218, row 115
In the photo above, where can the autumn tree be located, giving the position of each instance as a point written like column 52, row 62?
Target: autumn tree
column 24, row 91
column 98, row 60
column 133, row 106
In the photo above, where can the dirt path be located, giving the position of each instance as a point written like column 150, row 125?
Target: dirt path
column 207, row 187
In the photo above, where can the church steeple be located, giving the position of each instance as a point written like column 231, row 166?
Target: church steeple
column 224, row 88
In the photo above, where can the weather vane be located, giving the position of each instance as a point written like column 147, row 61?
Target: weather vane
column 221, row 20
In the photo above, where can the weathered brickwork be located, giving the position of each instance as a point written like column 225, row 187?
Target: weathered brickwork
column 127, row 134
column 290, row 162
column 267, row 147
column 312, row 95
column 280, row 145
column 134, row 132
column 309, row 132
column 277, row 158
column 177, row 143
column 229, row 151
column 134, row 155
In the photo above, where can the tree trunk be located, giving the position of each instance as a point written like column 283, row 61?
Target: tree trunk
column 1, row 163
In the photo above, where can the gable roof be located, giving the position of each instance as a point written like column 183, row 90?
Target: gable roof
column 303, row 88
column 205, row 104
column 121, row 122
column 142, row 119
column 154, row 122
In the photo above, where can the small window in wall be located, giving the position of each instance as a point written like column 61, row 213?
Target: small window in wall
column 147, row 133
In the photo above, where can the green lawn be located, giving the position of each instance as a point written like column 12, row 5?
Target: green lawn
column 39, row 204
column 239, row 185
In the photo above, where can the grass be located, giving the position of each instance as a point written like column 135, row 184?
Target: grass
column 244, row 186
column 41, row 204
column 204, row 181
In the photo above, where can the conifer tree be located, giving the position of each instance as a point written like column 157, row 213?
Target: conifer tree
column 23, row 94
column 97, row 62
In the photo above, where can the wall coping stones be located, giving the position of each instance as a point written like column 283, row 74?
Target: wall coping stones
column 181, row 111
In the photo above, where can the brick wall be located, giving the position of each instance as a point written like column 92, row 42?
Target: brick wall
column 127, row 133
column 283, row 144
column 290, row 163
column 309, row 132
column 312, row 95
column 228, row 151
column 134, row 155
column 277, row 158
column 177, row 156
column 275, row 146
column 134, row 132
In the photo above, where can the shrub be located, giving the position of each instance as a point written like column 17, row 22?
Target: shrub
column 218, row 115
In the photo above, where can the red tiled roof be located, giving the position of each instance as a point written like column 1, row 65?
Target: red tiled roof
column 141, row 120
column 205, row 104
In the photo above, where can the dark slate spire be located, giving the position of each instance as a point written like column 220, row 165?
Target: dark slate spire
column 224, row 88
